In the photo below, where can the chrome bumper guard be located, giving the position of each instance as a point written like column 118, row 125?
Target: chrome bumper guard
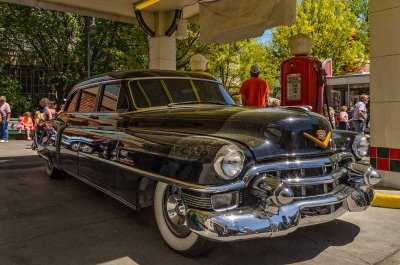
column 260, row 221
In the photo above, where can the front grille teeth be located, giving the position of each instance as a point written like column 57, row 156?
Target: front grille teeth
column 311, row 181
column 196, row 201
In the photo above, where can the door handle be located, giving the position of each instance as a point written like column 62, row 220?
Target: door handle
column 94, row 117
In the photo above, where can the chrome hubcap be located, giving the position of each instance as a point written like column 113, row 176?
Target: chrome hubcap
column 175, row 209
column 174, row 213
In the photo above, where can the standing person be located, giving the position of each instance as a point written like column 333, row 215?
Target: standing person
column 44, row 102
column 360, row 114
column 5, row 112
column 350, row 111
column 254, row 91
column 343, row 118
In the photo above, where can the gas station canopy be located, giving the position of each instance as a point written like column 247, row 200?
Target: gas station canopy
column 221, row 21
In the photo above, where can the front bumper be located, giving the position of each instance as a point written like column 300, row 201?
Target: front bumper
column 260, row 221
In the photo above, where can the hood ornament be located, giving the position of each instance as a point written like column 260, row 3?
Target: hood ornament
column 322, row 139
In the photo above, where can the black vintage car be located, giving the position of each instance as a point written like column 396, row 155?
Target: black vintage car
column 211, row 169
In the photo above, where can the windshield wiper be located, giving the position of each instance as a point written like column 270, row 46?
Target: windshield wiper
column 199, row 102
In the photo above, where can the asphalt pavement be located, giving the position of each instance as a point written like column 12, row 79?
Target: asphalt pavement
column 45, row 221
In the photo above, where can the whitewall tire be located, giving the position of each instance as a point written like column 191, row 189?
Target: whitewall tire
column 170, row 224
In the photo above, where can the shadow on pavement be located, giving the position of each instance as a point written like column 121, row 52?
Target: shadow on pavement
column 20, row 162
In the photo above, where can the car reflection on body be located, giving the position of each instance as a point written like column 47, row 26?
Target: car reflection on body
column 78, row 143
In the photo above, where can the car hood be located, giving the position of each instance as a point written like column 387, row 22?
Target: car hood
column 267, row 132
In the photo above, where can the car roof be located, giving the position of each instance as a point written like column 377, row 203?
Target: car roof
column 144, row 73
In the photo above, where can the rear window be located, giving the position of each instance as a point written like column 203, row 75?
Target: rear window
column 88, row 99
column 73, row 102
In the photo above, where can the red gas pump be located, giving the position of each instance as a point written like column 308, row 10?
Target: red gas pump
column 301, row 82
column 303, row 79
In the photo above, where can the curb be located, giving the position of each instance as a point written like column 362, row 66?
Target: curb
column 386, row 201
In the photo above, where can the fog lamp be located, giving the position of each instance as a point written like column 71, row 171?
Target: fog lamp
column 225, row 201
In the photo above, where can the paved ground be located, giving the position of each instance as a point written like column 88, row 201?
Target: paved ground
column 44, row 221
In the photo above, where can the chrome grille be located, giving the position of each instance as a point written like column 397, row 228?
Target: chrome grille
column 308, row 182
column 197, row 201
column 311, row 177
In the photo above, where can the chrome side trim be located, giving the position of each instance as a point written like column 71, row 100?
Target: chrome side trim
column 240, row 184
column 185, row 185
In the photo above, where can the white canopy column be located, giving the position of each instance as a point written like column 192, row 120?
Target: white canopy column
column 162, row 48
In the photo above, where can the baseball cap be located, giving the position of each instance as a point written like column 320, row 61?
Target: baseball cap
column 255, row 69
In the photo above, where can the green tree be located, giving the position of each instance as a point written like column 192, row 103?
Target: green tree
column 338, row 27
column 57, row 42
column 11, row 89
column 230, row 62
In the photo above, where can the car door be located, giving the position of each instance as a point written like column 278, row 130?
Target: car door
column 100, row 139
column 69, row 133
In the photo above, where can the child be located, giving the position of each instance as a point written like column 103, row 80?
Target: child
column 20, row 125
column 28, row 124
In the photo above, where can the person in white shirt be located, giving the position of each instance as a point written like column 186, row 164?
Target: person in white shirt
column 360, row 114
column 5, row 112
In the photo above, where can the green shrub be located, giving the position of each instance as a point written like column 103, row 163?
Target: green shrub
column 11, row 89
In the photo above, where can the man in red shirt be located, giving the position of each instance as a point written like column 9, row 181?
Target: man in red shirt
column 254, row 91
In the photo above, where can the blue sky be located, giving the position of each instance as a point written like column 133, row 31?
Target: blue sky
column 266, row 37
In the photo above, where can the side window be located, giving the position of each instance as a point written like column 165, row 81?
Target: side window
column 88, row 99
column 123, row 103
column 73, row 102
column 110, row 97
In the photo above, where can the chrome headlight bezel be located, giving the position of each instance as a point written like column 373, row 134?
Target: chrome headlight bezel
column 361, row 146
column 229, row 162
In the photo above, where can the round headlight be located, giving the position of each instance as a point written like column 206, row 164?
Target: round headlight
column 229, row 161
column 361, row 145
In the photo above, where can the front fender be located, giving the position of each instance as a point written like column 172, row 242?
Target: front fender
column 185, row 157
column 344, row 141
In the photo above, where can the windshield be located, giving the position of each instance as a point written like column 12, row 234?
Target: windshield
column 167, row 92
